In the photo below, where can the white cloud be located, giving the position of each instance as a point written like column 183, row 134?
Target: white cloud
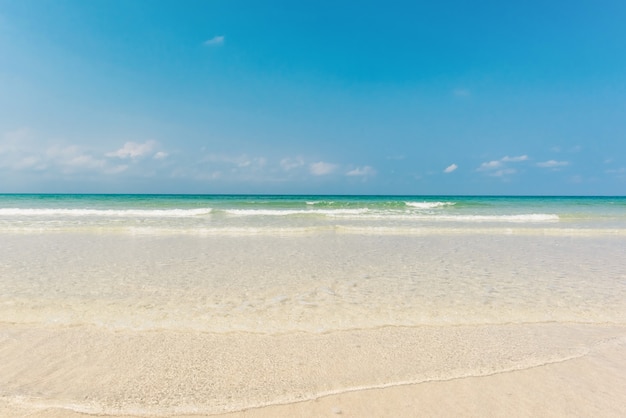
column 500, row 168
column 12, row 139
column 85, row 161
column 450, row 168
column 160, row 155
column 552, row 164
column 30, row 162
column 289, row 164
column 215, row 41
column 322, row 168
column 517, row 159
column 133, row 150
column 239, row 161
column 365, row 171
column 72, row 159
column 22, row 151
column 490, row 165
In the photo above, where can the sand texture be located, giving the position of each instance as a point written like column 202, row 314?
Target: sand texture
column 499, row 370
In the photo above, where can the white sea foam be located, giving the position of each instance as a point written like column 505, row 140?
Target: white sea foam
column 320, row 202
column 364, row 213
column 125, row 213
column 288, row 212
column 428, row 205
column 531, row 217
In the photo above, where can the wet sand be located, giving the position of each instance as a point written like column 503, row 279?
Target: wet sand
column 497, row 370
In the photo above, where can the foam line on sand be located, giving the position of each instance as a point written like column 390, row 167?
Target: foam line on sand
column 469, row 370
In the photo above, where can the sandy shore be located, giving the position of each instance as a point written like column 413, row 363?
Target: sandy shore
column 495, row 370
column 590, row 386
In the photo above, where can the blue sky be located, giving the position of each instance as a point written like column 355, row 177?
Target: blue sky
column 370, row 97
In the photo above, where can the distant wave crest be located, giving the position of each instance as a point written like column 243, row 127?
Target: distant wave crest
column 122, row 213
column 428, row 205
column 291, row 212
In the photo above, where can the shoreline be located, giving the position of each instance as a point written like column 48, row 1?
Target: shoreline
column 550, row 390
column 521, row 313
column 86, row 371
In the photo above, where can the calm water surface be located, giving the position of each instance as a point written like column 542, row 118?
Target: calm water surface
column 276, row 264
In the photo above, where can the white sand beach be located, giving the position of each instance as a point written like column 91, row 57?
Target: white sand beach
column 505, row 370
column 101, row 315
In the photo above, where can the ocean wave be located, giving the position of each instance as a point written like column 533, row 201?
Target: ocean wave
column 122, row 213
column 343, row 213
column 428, row 205
column 532, row 217
column 319, row 202
column 291, row 212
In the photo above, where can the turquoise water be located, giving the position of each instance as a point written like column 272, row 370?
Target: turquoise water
column 284, row 214
column 310, row 263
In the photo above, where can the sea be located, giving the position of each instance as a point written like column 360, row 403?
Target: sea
column 275, row 264
column 280, row 214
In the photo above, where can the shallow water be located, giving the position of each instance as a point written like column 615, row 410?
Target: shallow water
column 309, row 283
column 165, row 305
column 280, row 215
column 280, row 264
